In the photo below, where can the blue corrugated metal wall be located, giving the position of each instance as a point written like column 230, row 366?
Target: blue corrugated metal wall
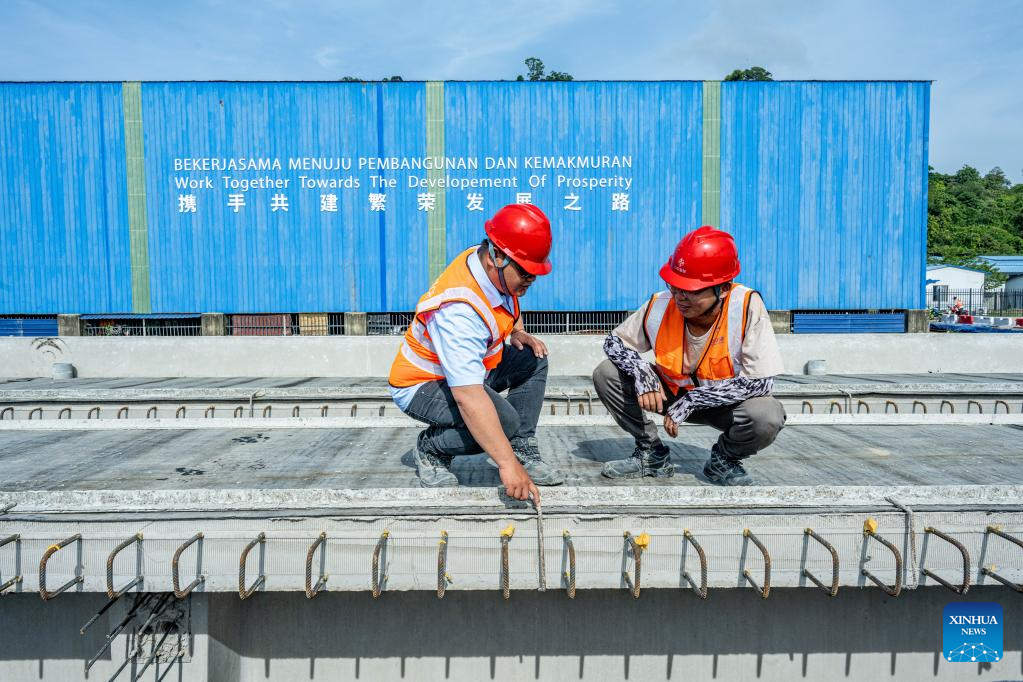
column 824, row 184
column 825, row 187
column 603, row 259
column 260, row 260
column 63, row 210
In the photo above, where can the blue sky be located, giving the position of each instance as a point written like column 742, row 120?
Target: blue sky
column 972, row 50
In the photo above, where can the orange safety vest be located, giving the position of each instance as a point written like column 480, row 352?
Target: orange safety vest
column 417, row 359
column 665, row 329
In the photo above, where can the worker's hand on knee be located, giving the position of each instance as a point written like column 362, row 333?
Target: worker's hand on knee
column 670, row 426
column 653, row 401
column 521, row 339
column 517, row 482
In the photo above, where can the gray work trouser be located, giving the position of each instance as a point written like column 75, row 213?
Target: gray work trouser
column 520, row 373
column 746, row 427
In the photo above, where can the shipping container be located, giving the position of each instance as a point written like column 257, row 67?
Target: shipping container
column 279, row 197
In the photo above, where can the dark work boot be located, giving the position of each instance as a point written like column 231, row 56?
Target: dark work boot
column 434, row 470
column 542, row 473
column 723, row 470
column 643, row 462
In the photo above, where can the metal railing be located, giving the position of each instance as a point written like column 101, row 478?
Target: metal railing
column 977, row 301
column 286, row 324
column 190, row 326
column 581, row 322
column 387, row 324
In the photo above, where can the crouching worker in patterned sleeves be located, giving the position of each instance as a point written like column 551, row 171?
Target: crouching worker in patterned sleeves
column 715, row 359
column 453, row 362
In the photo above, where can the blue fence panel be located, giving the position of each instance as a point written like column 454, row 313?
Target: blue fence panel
column 825, row 187
column 848, row 323
column 63, row 208
column 28, row 327
column 606, row 254
column 241, row 255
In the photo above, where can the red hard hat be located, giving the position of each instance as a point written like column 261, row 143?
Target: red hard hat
column 523, row 232
column 704, row 258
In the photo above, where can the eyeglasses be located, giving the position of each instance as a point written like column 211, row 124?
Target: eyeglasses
column 675, row 291
column 519, row 269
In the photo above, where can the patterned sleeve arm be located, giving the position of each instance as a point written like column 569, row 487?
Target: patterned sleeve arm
column 728, row 392
column 630, row 362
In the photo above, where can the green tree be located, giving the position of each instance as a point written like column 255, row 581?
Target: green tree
column 970, row 215
column 535, row 71
column 754, row 73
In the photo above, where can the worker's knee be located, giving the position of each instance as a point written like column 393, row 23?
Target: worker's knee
column 603, row 375
column 766, row 418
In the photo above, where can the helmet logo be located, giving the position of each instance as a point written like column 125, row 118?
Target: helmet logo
column 680, row 265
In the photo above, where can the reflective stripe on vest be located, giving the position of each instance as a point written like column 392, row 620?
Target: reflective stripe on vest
column 417, row 360
column 722, row 353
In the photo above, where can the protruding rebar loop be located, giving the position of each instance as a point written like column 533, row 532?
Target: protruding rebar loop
column 268, row 411
column 833, row 590
column 111, row 592
column 964, row 587
column 700, row 591
column 323, row 411
column 921, row 404
column 38, row 411
column 355, row 409
column 995, row 530
column 862, row 403
column 833, row 405
column 7, row 411
column 93, row 411
column 506, row 536
column 1003, row 404
column 766, row 590
column 244, row 592
column 891, row 403
column 175, row 578
column 637, row 545
column 951, row 407
column 376, row 577
column 16, row 539
column 890, row 590
column 211, row 412
column 239, row 412
column 67, row 411
column 123, row 413
column 296, row 411
column 442, row 565
column 806, row 404
column 180, row 413
column 50, row 551
column 570, row 573
column 151, row 412
column 321, row 582
column 969, row 403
